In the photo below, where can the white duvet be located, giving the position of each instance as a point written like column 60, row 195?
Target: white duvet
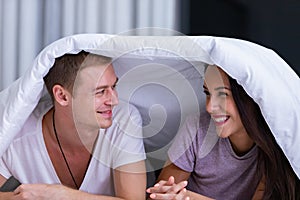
column 174, row 62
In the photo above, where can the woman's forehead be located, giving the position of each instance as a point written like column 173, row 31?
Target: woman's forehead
column 215, row 76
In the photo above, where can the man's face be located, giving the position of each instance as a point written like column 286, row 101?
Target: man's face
column 94, row 97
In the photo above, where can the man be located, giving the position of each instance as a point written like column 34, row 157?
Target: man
column 73, row 149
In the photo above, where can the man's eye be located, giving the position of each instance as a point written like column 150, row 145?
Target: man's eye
column 206, row 92
column 100, row 92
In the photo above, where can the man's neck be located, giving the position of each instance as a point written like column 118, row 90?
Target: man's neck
column 72, row 137
column 66, row 148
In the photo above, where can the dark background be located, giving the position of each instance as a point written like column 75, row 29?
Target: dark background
column 272, row 23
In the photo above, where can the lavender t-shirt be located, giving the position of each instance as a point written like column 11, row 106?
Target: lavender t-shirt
column 216, row 171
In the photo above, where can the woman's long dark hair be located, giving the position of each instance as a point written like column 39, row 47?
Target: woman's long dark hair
column 281, row 181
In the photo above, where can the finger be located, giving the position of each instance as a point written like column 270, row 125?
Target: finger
column 160, row 186
column 156, row 187
column 171, row 180
column 162, row 196
column 177, row 187
column 168, row 189
column 161, row 189
column 182, row 195
column 153, row 189
column 161, row 182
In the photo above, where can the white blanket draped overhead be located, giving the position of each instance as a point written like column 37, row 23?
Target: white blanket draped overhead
column 263, row 74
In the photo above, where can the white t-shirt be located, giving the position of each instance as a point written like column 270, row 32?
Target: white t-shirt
column 27, row 158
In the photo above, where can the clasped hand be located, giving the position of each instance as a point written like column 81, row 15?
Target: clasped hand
column 169, row 190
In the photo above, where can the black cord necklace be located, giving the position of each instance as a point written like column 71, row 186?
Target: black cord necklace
column 62, row 152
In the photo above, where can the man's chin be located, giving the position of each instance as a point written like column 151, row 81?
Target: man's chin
column 106, row 124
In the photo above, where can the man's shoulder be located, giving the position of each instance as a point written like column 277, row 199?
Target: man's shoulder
column 127, row 122
column 33, row 124
column 125, row 113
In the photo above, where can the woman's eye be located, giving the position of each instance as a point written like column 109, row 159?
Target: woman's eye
column 223, row 94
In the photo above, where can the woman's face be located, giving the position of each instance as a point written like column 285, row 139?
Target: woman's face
column 220, row 104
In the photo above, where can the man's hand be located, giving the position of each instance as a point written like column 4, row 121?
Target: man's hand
column 42, row 192
column 54, row 192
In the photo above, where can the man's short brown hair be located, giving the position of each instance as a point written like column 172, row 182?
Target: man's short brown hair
column 66, row 67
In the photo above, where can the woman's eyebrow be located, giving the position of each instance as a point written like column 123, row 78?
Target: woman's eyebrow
column 222, row 88
column 218, row 88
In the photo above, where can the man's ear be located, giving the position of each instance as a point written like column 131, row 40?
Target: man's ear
column 61, row 95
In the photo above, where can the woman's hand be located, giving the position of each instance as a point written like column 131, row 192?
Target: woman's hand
column 169, row 190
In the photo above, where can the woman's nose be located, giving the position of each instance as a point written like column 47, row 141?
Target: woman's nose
column 212, row 104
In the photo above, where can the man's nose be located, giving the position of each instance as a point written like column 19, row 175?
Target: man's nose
column 113, row 97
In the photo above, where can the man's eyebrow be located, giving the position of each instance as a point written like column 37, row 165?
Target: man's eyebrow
column 106, row 86
column 117, row 79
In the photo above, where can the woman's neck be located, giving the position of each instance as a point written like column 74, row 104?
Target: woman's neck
column 241, row 143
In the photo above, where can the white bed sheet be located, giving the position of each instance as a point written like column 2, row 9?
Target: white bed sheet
column 267, row 78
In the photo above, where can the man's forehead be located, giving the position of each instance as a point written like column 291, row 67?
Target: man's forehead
column 94, row 70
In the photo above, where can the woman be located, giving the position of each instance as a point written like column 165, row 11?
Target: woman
column 244, row 163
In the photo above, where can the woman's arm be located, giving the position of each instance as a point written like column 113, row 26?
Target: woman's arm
column 171, row 169
column 259, row 192
column 171, row 185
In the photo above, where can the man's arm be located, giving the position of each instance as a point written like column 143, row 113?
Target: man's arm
column 54, row 191
column 130, row 181
column 2, row 180
column 4, row 195
column 130, row 184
